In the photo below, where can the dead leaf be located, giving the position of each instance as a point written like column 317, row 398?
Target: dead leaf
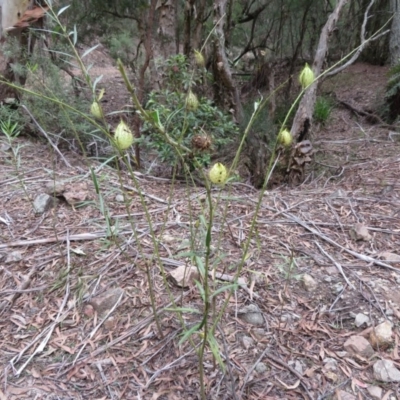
column 294, row 386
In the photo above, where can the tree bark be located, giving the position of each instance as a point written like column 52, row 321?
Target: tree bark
column 223, row 82
column 394, row 42
column 167, row 30
column 303, row 118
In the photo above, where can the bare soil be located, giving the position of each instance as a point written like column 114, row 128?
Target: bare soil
column 76, row 314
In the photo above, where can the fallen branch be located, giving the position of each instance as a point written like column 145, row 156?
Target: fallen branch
column 332, row 242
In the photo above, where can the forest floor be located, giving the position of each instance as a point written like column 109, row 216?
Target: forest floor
column 76, row 316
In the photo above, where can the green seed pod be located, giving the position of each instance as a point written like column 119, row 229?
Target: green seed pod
column 192, row 103
column 285, row 138
column 306, row 76
column 96, row 110
column 199, row 58
column 123, row 136
column 218, row 174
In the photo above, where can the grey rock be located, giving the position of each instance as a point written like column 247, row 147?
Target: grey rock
column 55, row 188
column 247, row 342
column 297, row 365
column 385, row 371
column 330, row 364
column 119, row 198
column 42, row 203
column 361, row 319
column 338, row 288
column 359, row 345
column 375, row 392
column 260, row 368
column 14, row 256
column 251, row 314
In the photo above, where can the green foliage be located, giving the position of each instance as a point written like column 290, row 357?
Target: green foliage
column 45, row 78
column 182, row 124
column 393, row 85
column 322, row 110
column 390, row 109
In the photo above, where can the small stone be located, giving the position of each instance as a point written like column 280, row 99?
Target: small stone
column 361, row 319
column 55, row 188
column 330, row 364
column 14, row 256
column 261, row 368
column 247, row 342
column 338, row 288
column 297, row 365
column 385, row 371
column 381, row 336
column 310, row 283
column 251, row 314
column 42, row 203
column 184, row 276
column 388, row 256
column 359, row 345
column 375, row 392
column 331, row 270
column 119, row 198
column 360, row 232
column 107, row 300
column 331, row 376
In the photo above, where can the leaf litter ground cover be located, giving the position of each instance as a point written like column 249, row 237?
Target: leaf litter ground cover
column 76, row 318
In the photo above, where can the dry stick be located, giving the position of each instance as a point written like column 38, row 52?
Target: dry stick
column 48, row 331
column 142, row 324
column 337, row 265
column 167, row 367
column 228, row 364
column 332, row 242
column 96, row 328
column 78, row 237
column 47, row 137
column 280, row 362
column 150, row 196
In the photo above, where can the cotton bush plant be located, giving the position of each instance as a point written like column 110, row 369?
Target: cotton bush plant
column 171, row 127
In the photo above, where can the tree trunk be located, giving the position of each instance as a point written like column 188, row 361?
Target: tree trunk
column 394, row 43
column 167, row 30
column 14, row 23
column 303, row 118
column 223, row 82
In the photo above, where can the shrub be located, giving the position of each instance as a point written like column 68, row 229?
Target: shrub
column 204, row 129
column 322, row 110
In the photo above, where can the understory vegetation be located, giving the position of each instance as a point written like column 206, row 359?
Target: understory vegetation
column 202, row 102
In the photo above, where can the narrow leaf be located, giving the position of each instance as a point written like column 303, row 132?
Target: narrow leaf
column 232, row 286
column 88, row 51
column 62, row 10
column 189, row 333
